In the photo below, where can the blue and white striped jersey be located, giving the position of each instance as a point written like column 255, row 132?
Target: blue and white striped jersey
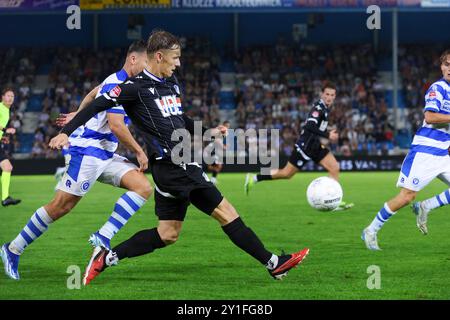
column 97, row 140
column 434, row 138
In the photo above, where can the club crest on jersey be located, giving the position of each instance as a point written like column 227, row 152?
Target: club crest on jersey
column 115, row 92
column 169, row 105
column 85, row 185
column 432, row 94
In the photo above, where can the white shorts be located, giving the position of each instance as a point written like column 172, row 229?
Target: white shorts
column 419, row 169
column 82, row 172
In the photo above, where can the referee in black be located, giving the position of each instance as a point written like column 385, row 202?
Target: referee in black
column 153, row 102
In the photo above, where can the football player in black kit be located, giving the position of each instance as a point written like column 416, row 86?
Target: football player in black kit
column 152, row 100
column 308, row 146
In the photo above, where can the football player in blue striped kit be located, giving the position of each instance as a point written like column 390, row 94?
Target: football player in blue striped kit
column 427, row 159
column 93, row 157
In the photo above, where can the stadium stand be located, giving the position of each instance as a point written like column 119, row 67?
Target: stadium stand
column 260, row 87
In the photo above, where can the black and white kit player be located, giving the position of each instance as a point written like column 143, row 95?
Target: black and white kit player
column 309, row 147
column 152, row 100
column 219, row 144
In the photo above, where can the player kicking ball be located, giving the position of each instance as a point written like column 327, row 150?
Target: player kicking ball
column 427, row 159
column 153, row 102
column 309, row 147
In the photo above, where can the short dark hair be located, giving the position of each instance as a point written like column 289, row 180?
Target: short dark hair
column 5, row 90
column 328, row 85
column 161, row 40
column 137, row 46
column 444, row 56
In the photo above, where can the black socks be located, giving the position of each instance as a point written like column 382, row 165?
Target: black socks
column 260, row 177
column 141, row 243
column 246, row 239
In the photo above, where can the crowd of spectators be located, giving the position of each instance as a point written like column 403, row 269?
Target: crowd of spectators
column 419, row 68
column 275, row 88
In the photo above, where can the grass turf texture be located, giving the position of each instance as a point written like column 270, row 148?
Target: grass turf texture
column 204, row 264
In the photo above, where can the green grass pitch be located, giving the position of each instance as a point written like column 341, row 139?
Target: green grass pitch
column 204, row 264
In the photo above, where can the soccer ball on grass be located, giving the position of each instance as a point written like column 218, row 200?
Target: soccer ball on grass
column 324, row 194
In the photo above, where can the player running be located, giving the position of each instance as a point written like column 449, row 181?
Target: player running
column 153, row 102
column 427, row 159
column 92, row 158
column 5, row 164
column 218, row 144
column 308, row 146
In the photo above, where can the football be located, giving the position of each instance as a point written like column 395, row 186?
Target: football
column 324, row 194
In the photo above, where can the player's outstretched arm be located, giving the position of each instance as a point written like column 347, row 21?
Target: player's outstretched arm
column 98, row 105
column 436, row 118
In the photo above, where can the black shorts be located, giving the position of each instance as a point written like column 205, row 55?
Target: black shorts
column 313, row 151
column 177, row 187
column 3, row 155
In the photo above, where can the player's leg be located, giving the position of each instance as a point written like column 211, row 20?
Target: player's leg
column 124, row 174
column 79, row 177
column 211, row 202
column 330, row 164
column 146, row 241
column 403, row 198
column 295, row 163
column 287, row 172
column 170, row 212
column 7, row 168
column 418, row 170
column 38, row 224
column 422, row 209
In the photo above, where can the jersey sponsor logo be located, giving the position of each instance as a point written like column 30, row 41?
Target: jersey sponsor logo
column 169, row 105
column 323, row 126
column 315, row 114
column 68, row 183
column 152, row 90
column 115, row 92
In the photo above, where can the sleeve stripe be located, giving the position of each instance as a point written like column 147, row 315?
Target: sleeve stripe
column 312, row 119
column 118, row 111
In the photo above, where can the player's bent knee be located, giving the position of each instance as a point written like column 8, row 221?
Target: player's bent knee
column 169, row 237
column 145, row 190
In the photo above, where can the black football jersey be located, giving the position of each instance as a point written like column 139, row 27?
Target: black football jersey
column 316, row 124
column 154, row 106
